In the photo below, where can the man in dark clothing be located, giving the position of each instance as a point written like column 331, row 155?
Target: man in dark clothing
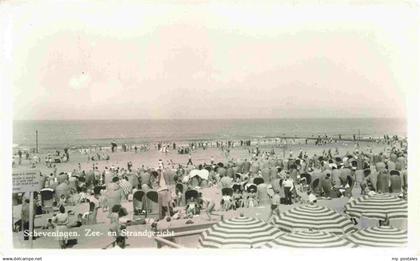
column 20, row 156
column 25, row 217
column 66, row 151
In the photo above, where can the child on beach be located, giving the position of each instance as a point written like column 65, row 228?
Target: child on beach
column 275, row 203
column 252, row 199
column 226, row 202
column 103, row 201
column 191, row 208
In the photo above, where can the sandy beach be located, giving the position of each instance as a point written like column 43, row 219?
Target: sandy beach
column 149, row 159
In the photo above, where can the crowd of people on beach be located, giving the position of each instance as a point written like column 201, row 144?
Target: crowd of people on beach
column 265, row 178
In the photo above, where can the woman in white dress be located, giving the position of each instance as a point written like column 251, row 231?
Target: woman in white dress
column 61, row 220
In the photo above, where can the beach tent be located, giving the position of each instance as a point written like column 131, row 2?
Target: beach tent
column 306, row 217
column 193, row 173
column 309, row 239
column 384, row 236
column 47, row 198
column 377, row 206
column 152, row 203
column 204, row 174
column 239, row 232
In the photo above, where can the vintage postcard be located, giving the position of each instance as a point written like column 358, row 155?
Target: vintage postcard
column 159, row 125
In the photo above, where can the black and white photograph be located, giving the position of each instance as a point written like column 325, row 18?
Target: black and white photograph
column 209, row 124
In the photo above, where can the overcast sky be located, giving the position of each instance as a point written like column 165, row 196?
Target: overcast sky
column 119, row 60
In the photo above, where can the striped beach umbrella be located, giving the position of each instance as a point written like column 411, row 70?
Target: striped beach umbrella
column 239, row 232
column 309, row 239
column 384, row 236
column 307, row 217
column 377, row 206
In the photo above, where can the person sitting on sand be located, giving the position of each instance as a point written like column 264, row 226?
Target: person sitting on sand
column 62, row 201
column 192, row 208
column 226, row 202
column 78, row 222
column 311, row 197
column 237, row 198
column 49, row 224
column 252, row 199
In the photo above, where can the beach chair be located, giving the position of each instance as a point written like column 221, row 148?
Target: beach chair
column 237, row 186
column 396, row 181
column 195, row 181
column 191, row 197
column 227, row 201
column 152, row 203
column 258, row 181
column 307, row 177
column 47, row 199
column 251, row 188
column 227, row 191
column 251, row 200
column 315, row 186
column 192, row 193
column 138, row 203
column 240, row 176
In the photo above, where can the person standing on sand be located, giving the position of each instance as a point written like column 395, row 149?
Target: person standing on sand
column 288, row 188
column 25, row 219
column 190, row 160
column 20, row 156
column 61, row 220
column 275, row 203
column 207, row 204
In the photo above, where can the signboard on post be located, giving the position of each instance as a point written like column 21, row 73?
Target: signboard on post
column 25, row 182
